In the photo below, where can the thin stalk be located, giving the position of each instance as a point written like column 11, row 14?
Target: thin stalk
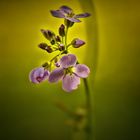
column 66, row 34
column 89, row 111
column 62, row 40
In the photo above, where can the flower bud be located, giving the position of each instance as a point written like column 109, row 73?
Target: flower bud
column 49, row 49
column 52, row 42
column 58, row 38
column 46, row 64
column 57, row 64
column 77, row 43
column 61, row 47
column 47, row 33
column 62, row 30
column 44, row 46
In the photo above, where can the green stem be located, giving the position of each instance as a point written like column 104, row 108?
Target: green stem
column 89, row 111
column 62, row 40
column 66, row 37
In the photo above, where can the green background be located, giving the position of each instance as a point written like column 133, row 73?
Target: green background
column 28, row 112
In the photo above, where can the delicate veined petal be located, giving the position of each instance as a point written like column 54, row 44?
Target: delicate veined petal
column 56, row 75
column 82, row 70
column 57, row 13
column 83, row 15
column 38, row 75
column 72, row 19
column 70, row 82
column 66, row 9
column 68, row 61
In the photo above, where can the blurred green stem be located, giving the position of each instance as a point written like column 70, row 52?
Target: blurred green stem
column 89, row 111
column 88, row 128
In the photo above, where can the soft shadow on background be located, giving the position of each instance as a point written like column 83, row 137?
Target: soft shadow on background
column 28, row 111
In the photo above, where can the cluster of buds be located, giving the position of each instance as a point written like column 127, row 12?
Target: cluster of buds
column 56, row 42
column 67, row 68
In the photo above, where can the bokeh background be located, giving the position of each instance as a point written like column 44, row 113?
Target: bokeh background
column 112, row 52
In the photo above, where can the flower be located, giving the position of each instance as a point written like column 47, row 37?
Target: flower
column 76, row 43
column 67, row 13
column 69, row 72
column 38, row 75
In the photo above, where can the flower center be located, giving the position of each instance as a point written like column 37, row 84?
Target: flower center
column 70, row 14
column 38, row 79
column 69, row 70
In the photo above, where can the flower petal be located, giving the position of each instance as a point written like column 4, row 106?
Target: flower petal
column 38, row 75
column 70, row 82
column 56, row 75
column 66, row 9
column 57, row 13
column 83, row 15
column 82, row 70
column 68, row 61
column 72, row 19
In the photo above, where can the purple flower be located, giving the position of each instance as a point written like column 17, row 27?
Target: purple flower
column 67, row 13
column 69, row 72
column 38, row 75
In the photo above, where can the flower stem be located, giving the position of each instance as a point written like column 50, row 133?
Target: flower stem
column 88, row 129
column 66, row 34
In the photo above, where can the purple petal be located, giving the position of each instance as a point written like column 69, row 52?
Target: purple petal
column 70, row 82
column 56, row 75
column 72, row 19
column 68, row 61
column 83, row 15
column 82, row 70
column 57, row 13
column 66, row 9
column 38, row 75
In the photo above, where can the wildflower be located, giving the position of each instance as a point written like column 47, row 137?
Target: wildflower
column 69, row 72
column 38, row 75
column 77, row 43
column 68, row 14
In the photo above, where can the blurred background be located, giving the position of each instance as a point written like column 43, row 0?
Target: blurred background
column 112, row 52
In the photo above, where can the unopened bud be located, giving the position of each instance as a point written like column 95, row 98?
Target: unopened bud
column 49, row 49
column 46, row 64
column 62, row 30
column 57, row 64
column 58, row 38
column 77, row 43
column 56, row 60
column 52, row 41
column 61, row 47
column 43, row 46
column 47, row 33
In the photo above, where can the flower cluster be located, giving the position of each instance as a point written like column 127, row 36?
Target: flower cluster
column 67, row 68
